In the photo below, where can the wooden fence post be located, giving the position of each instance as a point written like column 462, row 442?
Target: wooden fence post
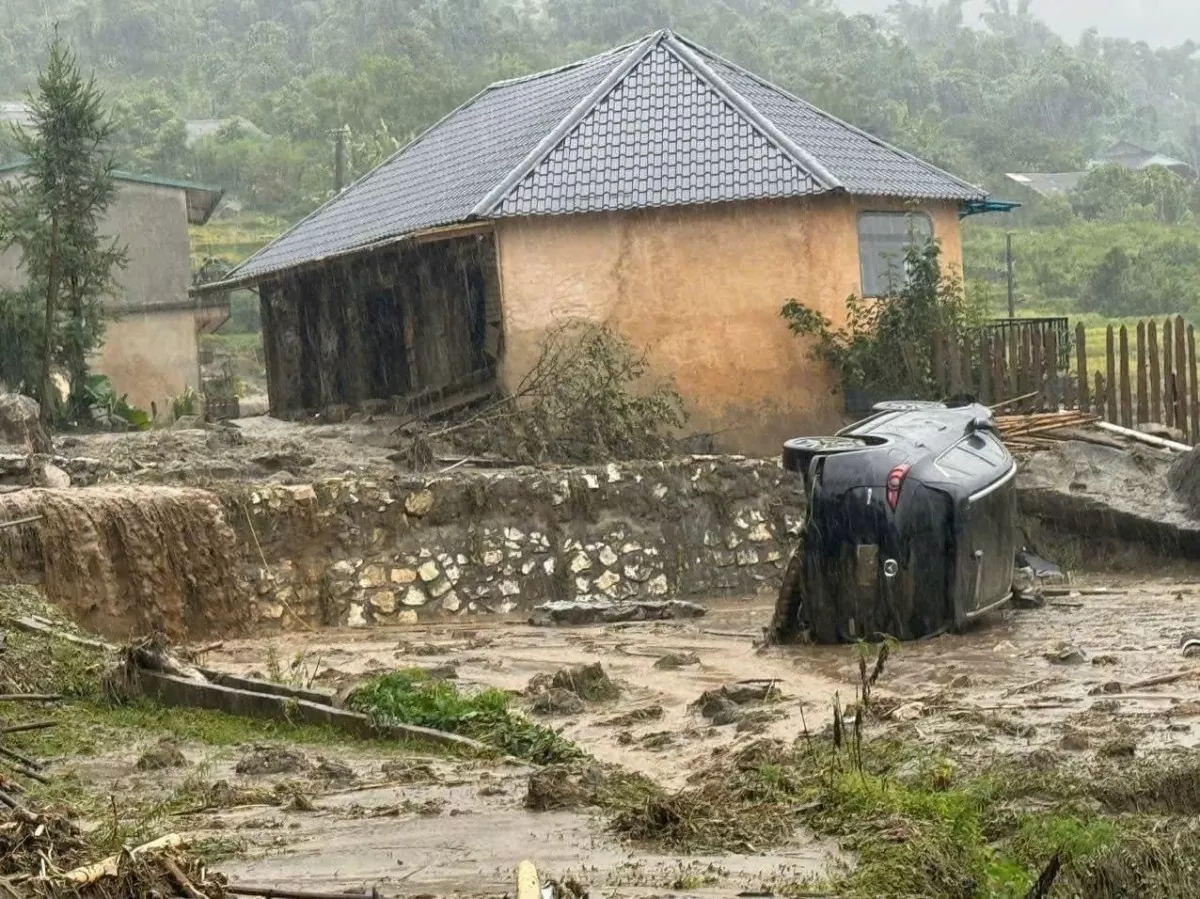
column 1026, row 357
column 1181, row 379
column 998, row 383
column 985, row 369
column 1155, row 375
column 1051, row 358
column 1195, row 389
column 1142, row 399
column 1111, row 413
column 1168, row 375
column 1098, row 395
column 1081, row 366
column 1036, row 367
column 1124, row 387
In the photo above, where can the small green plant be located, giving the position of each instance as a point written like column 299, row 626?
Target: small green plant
column 112, row 410
column 412, row 697
column 186, row 403
column 887, row 343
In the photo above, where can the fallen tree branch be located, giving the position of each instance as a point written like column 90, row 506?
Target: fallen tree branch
column 108, row 867
column 27, row 726
column 30, row 697
column 17, row 757
column 271, row 893
column 1163, row 679
column 181, row 879
column 1148, row 439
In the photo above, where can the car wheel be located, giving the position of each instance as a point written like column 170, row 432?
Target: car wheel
column 907, row 405
column 786, row 626
column 799, row 452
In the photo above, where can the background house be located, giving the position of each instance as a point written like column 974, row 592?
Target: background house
column 151, row 347
column 656, row 187
column 1124, row 153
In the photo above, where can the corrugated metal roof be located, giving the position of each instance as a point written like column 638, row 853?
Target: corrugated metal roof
column 662, row 122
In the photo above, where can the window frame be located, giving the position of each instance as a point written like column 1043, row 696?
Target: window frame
column 858, row 233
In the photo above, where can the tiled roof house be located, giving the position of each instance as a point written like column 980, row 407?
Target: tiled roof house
column 657, row 187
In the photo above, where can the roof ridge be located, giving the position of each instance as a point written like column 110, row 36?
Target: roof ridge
column 546, row 145
column 566, row 67
column 684, row 50
column 878, row 141
column 361, row 180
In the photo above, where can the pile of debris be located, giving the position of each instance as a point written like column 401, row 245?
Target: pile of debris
column 1042, row 430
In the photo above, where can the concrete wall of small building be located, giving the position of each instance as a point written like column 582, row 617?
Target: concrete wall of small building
column 149, row 355
column 152, row 356
column 701, row 289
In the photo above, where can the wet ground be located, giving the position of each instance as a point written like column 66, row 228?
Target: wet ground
column 1072, row 678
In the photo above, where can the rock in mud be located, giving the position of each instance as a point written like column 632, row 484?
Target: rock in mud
column 263, row 760
column 20, row 424
column 163, row 756
column 557, row 701
column 673, row 660
column 637, row 716
column 404, row 771
column 561, row 787
column 1065, row 654
column 1074, row 742
column 719, row 709
column 579, row 613
column 332, row 769
column 589, row 682
column 1122, row 747
column 284, row 460
column 48, row 475
column 1191, row 649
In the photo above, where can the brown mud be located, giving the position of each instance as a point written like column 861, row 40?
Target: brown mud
column 1068, row 681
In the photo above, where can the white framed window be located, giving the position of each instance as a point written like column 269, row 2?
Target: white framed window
column 883, row 241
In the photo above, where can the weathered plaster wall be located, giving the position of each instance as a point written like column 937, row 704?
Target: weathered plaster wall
column 151, row 356
column 360, row 553
column 700, row 289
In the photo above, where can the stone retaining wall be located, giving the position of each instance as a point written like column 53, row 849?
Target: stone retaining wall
column 359, row 553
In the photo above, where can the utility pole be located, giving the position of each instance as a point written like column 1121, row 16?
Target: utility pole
column 340, row 163
column 1008, row 256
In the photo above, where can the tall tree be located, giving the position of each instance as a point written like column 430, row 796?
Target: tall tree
column 53, row 212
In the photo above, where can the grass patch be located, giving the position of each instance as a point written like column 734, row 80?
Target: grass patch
column 412, row 697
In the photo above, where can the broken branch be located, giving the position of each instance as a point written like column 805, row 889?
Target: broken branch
column 89, row 874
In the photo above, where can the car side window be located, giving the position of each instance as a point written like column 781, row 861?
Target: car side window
column 883, row 242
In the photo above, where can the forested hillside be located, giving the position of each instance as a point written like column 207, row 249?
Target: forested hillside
column 1004, row 93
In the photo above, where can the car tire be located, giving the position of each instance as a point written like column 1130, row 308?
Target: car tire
column 799, row 452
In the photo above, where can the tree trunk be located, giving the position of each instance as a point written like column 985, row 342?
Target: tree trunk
column 52, row 276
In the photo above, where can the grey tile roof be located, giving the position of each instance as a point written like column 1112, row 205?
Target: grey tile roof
column 659, row 123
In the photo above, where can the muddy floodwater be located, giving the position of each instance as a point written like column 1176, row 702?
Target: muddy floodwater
column 1065, row 678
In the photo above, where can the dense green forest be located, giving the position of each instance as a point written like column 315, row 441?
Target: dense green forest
column 1006, row 94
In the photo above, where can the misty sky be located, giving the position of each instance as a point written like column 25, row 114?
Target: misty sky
column 1156, row 21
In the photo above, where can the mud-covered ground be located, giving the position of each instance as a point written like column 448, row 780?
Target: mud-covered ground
column 1065, row 684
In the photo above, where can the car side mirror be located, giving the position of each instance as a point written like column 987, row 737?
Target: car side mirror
column 980, row 423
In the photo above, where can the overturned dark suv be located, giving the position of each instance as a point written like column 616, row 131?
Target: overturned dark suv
column 911, row 528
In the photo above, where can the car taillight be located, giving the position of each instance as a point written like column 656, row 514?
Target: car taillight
column 894, row 482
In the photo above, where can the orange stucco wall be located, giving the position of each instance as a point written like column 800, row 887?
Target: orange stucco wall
column 700, row 288
column 152, row 356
